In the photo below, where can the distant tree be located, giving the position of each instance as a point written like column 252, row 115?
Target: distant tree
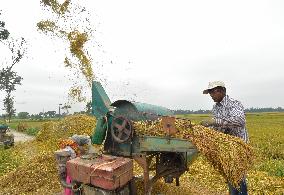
column 32, row 116
column 23, row 115
column 4, row 33
column 200, row 111
column 38, row 116
column 9, row 78
column 66, row 107
column 50, row 114
column 278, row 109
column 191, row 111
column 9, row 106
column 80, row 112
column 4, row 117
column 41, row 114
column 64, row 114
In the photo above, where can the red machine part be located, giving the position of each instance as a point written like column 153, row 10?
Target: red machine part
column 107, row 172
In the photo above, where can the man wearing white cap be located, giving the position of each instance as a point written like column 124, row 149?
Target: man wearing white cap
column 229, row 118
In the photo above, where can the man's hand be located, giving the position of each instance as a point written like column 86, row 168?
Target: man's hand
column 208, row 123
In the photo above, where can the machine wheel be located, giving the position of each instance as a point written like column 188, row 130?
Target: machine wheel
column 121, row 129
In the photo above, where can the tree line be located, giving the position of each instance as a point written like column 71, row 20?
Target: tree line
column 49, row 114
column 252, row 110
column 88, row 111
column 42, row 115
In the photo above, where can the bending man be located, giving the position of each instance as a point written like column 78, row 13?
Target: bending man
column 229, row 118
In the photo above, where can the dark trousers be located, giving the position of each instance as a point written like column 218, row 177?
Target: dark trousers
column 242, row 191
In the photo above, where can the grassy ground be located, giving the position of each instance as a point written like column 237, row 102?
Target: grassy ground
column 30, row 127
column 267, row 136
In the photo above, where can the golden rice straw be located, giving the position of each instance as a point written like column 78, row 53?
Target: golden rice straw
column 231, row 156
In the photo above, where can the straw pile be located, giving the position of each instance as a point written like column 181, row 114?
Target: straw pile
column 229, row 155
column 37, row 173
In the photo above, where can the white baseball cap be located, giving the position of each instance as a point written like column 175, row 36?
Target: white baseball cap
column 212, row 85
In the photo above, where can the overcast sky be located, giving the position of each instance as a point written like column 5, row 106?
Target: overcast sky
column 158, row 52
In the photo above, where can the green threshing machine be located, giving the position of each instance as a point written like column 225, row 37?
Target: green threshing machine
column 166, row 157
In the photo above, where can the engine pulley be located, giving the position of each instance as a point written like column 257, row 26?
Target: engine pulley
column 121, row 129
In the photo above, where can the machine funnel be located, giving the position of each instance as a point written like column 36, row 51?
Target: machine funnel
column 100, row 100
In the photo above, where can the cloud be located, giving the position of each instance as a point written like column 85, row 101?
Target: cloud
column 162, row 53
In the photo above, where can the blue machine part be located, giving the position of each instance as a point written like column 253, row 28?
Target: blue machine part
column 100, row 131
column 100, row 100
column 3, row 126
column 139, row 111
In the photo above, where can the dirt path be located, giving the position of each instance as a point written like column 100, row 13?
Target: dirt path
column 21, row 137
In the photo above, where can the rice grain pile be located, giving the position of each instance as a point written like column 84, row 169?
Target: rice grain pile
column 37, row 173
column 228, row 154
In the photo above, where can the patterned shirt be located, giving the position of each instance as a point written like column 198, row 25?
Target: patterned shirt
column 230, row 118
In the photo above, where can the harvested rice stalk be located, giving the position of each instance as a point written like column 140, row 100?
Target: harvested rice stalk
column 229, row 155
column 47, row 26
column 71, row 24
column 75, row 92
column 77, row 41
column 56, row 7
